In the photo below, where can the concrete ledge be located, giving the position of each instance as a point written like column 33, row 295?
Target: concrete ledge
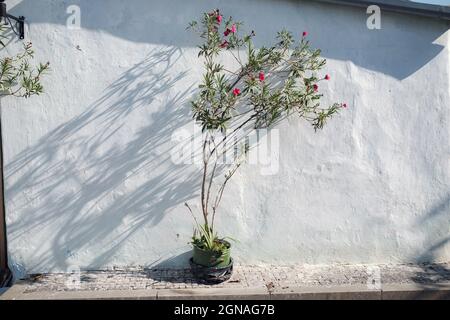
column 413, row 291
column 214, row 294
column 13, row 292
column 346, row 292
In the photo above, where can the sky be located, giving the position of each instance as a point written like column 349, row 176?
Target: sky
column 441, row 2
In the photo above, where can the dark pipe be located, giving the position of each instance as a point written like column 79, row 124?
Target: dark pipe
column 2, row 9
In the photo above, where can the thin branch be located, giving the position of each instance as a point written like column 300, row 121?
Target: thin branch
column 211, row 180
column 236, row 129
column 236, row 58
column 222, row 188
column 192, row 213
column 205, row 172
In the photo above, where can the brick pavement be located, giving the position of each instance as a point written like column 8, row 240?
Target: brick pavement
column 255, row 276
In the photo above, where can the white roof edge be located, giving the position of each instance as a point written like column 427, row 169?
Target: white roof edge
column 401, row 6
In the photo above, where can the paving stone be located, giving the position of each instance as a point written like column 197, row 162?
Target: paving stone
column 269, row 277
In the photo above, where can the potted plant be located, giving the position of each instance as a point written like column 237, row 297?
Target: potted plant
column 260, row 88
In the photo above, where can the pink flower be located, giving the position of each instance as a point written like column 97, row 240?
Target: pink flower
column 219, row 19
column 236, row 92
column 316, row 87
column 227, row 32
column 344, row 105
column 233, row 28
column 305, row 33
column 224, row 44
column 262, row 77
column 327, row 77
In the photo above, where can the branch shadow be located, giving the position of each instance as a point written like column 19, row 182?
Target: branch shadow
column 434, row 274
column 73, row 175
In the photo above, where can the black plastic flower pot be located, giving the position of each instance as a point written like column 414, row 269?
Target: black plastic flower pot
column 212, row 266
column 211, row 275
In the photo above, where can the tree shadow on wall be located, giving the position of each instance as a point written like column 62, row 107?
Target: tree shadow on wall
column 87, row 179
column 403, row 45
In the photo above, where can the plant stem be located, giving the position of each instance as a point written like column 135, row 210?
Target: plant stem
column 205, row 172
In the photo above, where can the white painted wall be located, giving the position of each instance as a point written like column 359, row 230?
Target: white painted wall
column 89, row 179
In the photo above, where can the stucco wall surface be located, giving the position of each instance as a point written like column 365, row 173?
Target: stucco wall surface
column 89, row 176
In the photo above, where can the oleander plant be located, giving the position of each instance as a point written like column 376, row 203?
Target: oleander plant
column 17, row 76
column 245, row 88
